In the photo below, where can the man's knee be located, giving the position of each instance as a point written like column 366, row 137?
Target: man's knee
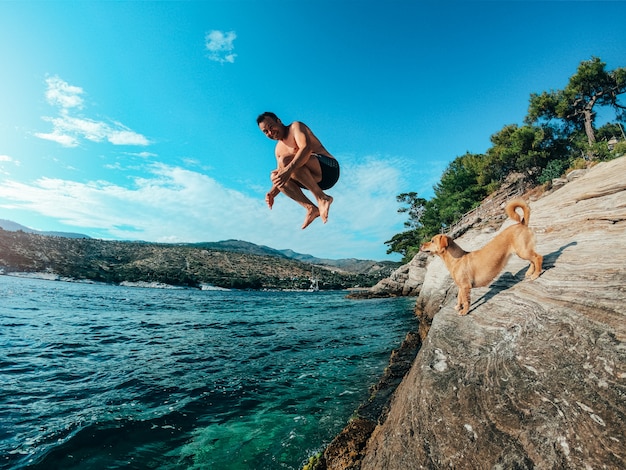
column 306, row 173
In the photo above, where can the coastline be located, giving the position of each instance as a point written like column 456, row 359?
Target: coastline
column 347, row 449
column 51, row 276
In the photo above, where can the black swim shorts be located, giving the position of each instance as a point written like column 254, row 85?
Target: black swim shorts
column 330, row 171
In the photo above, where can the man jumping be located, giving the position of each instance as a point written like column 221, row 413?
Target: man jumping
column 303, row 162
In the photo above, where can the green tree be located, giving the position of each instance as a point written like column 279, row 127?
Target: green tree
column 414, row 207
column 407, row 243
column 525, row 149
column 609, row 131
column 459, row 190
column 553, row 169
column 591, row 86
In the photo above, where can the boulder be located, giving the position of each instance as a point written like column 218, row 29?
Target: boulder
column 406, row 281
column 575, row 174
column 535, row 375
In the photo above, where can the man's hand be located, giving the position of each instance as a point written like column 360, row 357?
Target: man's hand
column 281, row 176
column 271, row 194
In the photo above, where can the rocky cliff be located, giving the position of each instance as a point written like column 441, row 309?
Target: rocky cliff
column 535, row 375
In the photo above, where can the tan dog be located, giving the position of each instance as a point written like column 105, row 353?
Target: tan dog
column 479, row 268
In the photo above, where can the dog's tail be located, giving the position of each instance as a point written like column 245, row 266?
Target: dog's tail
column 511, row 207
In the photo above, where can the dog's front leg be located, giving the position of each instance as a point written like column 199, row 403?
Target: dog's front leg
column 463, row 300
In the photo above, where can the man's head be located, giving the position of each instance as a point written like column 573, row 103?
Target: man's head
column 270, row 125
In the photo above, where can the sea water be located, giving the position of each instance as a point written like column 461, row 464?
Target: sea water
column 101, row 376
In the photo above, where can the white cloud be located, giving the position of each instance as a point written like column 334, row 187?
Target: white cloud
column 143, row 154
column 58, row 137
column 68, row 130
column 60, row 93
column 7, row 159
column 173, row 204
column 126, row 137
column 221, row 46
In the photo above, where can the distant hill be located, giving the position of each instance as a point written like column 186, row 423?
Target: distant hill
column 33, row 250
column 15, row 227
column 174, row 264
column 351, row 265
column 240, row 246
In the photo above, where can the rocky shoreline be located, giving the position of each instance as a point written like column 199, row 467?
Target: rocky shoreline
column 347, row 449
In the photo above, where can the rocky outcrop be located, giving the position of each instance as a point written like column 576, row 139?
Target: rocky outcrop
column 535, row 375
column 406, row 281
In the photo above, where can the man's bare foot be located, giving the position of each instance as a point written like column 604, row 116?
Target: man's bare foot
column 325, row 207
column 311, row 215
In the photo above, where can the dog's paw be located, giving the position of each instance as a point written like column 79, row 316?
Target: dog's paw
column 464, row 309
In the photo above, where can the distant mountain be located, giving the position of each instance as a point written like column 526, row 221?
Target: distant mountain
column 172, row 264
column 15, row 227
column 349, row 265
column 240, row 246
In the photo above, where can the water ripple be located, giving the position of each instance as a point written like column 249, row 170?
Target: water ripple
column 101, row 376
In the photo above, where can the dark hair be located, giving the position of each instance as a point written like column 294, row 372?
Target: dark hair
column 266, row 114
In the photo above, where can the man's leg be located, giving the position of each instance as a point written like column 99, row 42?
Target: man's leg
column 293, row 191
column 309, row 175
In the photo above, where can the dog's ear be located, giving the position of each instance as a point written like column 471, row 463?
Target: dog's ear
column 444, row 241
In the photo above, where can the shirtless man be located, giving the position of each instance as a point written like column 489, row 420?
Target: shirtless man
column 303, row 162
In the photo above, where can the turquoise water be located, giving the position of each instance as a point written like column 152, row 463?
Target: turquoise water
column 97, row 376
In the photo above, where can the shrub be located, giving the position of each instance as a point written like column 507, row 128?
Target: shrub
column 554, row 169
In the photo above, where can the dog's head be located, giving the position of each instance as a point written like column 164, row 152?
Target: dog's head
column 437, row 245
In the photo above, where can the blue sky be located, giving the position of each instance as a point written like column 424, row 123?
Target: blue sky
column 136, row 120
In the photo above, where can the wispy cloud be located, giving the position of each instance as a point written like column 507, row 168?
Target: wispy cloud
column 62, row 94
column 69, row 129
column 143, row 154
column 174, row 204
column 6, row 159
column 221, row 46
column 10, row 160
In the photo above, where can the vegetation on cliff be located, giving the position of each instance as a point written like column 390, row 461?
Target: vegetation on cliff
column 559, row 133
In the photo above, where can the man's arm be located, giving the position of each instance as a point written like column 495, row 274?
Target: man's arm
column 302, row 136
column 271, row 194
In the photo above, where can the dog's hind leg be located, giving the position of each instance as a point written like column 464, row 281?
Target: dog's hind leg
column 529, row 254
column 536, row 260
column 531, row 268
column 534, row 270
